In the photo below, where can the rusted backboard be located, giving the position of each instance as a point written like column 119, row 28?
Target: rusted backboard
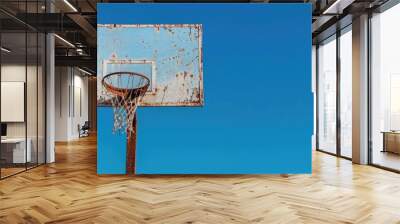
column 170, row 55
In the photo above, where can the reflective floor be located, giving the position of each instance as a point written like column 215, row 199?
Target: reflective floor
column 70, row 191
column 387, row 159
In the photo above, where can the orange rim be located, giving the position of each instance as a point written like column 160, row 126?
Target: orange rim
column 118, row 91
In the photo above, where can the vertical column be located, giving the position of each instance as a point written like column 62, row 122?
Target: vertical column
column 360, row 90
column 50, row 92
column 338, row 109
column 314, row 92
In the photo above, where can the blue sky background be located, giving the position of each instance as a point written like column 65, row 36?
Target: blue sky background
column 258, row 112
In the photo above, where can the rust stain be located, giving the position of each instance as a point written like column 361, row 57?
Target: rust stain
column 190, row 92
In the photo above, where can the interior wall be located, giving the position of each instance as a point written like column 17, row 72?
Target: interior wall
column 79, row 109
column 71, row 102
column 61, row 103
column 13, row 73
column 32, row 127
column 92, row 100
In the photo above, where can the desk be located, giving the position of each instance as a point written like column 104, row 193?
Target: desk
column 13, row 150
column 391, row 141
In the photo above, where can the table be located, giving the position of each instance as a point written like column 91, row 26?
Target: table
column 13, row 150
column 391, row 141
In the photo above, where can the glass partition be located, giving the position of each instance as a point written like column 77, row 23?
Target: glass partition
column 327, row 95
column 22, row 88
column 13, row 109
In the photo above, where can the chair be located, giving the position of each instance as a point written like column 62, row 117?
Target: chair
column 84, row 130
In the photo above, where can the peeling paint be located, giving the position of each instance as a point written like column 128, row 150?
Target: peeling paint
column 169, row 54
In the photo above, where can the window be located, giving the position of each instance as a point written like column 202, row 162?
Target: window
column 385, row 89
column 327, row 95
column 334, row 106
column 346, row 92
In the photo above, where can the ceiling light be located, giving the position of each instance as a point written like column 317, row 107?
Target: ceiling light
column 329, row 9
column 84, row 71
column 337, row 7
column 79, row 51
column 70, row 5
column 5, row 50
column 65, row 41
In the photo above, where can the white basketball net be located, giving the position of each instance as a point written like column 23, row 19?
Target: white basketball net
column 126, row 91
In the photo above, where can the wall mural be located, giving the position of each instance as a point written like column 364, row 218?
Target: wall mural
column 251, row 112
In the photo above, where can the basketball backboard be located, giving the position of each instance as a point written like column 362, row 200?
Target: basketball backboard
column 170, row 55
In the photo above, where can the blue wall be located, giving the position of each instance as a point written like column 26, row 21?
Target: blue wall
column 111, row 147
column 258, row 109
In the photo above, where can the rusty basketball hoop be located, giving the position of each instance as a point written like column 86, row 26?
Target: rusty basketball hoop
column 126, row 90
